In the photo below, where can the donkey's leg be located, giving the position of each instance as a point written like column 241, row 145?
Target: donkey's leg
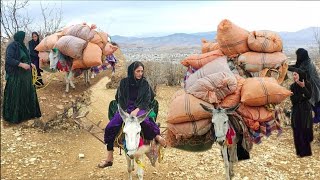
column 130, row 164
column 86, row 77
column 67, row 82
column 140, row 171
column 226, row 162
column 70, row 76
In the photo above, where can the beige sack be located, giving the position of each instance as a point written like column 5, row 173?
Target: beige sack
column 109, row 49
column 81, row 31
column 232, row 39
column 218, row 65
column 255, row 62
column 265, row 41
column 185, row 108
column 259, row 91
column 71, row 46
column 214, row 87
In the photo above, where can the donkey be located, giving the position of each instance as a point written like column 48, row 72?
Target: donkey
column 222, row 128
column 133, row 139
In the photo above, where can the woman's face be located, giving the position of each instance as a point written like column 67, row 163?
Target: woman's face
column 35, row 37
column 295, row 76
column 138, row 73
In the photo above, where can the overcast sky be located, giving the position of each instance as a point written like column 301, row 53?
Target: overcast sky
column 147, row 18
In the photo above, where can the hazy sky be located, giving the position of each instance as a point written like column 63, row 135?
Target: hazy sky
column 147, row 18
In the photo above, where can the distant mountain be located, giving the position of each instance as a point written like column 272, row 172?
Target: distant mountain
column 290, row 39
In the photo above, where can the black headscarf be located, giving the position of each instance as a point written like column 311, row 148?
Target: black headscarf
column 302, row 56
column 132, row 80
column 302, row 74
column 19, row 37
column 145, row 93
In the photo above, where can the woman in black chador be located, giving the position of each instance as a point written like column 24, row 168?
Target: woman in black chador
column 34, row 56
column 301, row 120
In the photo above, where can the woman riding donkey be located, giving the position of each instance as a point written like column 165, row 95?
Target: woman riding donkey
column 134, row 95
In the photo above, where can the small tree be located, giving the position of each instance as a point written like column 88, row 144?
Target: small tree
column 52, row 19
column 175, row 73
column 153, row 73
column 316, row 33
column 11, row 19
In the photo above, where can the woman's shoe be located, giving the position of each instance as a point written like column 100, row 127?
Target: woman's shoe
column 105, row 163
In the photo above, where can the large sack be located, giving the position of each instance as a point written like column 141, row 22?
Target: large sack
column 81, row 31
column 100, row 38
column 258, row 113
column 218, row 65
column 259, row 91
column 185, row 108
column 71, row 46
column 91, row 57
column 209, row 46
column 255, row 62
column 189, row 129
column 265, row 41
column 109, row 49
column 48, row 42
column 234, row 98
column 199, row 60
column 232, row 39
column 214, row 87
column 44, row 62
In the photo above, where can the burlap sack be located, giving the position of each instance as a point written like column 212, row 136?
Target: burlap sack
column 48, row 42
column 255, row 62
column 186, row 108
column 218, row 65
column 259, row 91
column 91, row 57
column 109, row 49
column 265, row 41
column 258, row 113
column 189, row 129
column 214, row 87
column 234, row 98
column 100, row 38
column 71, row 46
column 81, row 31
column 199, row 60
column 209, row 46
column 232, row 39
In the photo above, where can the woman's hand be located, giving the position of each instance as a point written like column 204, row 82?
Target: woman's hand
column 135, row 112
column 24, row 66
column 301, row 83
column 33, row 66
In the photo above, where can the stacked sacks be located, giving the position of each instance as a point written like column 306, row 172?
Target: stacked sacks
column 243, row 68
column 82, row 43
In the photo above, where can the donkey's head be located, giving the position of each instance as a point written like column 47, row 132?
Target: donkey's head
column 131, row 130
column 220, row 121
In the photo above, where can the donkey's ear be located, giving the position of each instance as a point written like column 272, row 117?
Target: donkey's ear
column 209, row 109
column 232, row 109
column 124, row 115
column 143, row 116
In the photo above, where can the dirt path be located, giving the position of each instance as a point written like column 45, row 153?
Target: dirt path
column 29, row 153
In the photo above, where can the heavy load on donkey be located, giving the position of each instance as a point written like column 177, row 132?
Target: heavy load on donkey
column 74, row 49
column 230, row 94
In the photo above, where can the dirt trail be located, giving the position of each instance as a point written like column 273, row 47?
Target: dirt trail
column 29, row 153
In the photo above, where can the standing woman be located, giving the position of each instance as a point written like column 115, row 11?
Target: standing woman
column 20, row 100
column 34, row 56
column 301, row 120
column 305, row 63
